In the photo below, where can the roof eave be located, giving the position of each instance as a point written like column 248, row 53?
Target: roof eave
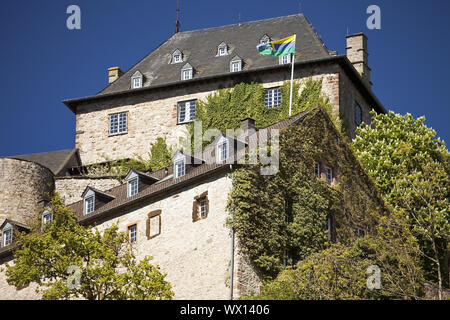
column 342, row 60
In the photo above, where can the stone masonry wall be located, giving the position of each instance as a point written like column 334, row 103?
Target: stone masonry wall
column 154, row 114
column 195, row 255
column 71, row 188
column 24, row 185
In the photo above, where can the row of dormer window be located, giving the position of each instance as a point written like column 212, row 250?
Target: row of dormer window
column 187, row 71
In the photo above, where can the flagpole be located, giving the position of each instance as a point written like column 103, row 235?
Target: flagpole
column 292, row 80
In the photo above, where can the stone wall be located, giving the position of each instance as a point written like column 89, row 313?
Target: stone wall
column 8, row 292
column 71, row 188
column 24, row 186
column 153, row 114
column 195, row 255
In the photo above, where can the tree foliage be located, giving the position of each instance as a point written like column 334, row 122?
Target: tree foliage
column 108, row 266
column 160, row 154
column 411, row 169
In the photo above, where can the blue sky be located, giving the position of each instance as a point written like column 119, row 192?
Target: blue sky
column 43, row 63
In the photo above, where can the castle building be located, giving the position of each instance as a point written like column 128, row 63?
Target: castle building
column 177, row 214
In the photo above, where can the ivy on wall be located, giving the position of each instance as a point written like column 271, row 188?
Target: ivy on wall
column 282, row 217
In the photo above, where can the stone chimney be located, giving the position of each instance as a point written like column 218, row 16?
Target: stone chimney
column 358, row 55
column 113, row 74
column 247, row 125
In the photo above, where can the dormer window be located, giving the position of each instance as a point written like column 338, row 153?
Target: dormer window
column 222, row 149
column 222, row 50
column 47, row 216
column 89, row 205
column 265, row 39
column 236, row 64
column 180, row 168
column 177, row 57
column 132, row 187
column 7, row 235
column 136, row 80
column 186, row 72
column 286, row 59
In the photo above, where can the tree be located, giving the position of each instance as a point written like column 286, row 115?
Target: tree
column 411, row 169
column 160, row 154
column 68, row 260
column 342, row 271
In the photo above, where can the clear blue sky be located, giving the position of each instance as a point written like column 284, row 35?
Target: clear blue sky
column 43, row 63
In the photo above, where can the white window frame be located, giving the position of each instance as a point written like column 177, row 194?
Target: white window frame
column 46, row 214
column 132, row 189
column 203, row 208
column 118, row 123
column 273, row 97
column 222, row 146
column 222, row 50
column 317, row 169
column 264, row 39
column 186, row 73
column 7, row 234
column 329, row 175
column 188, row 108
column 136, row 82
column 236, row 66
column 86, row 204
column 286, row 59
column 177, row 57
column 180, row 168
column 132, row 233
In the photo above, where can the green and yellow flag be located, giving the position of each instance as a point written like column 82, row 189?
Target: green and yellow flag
column 278, row 48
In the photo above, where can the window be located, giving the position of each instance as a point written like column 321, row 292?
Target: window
column 265, row 39
column 358, row 114
column 317, row 169
column 222, row 50
column 222, row 150
column 200, row 207
column 329, row 175
column 136, row 82
column 132, row 233
column 186, row 111
column 327, row 227
column 180, row 168
column 89, row 205
column 153, row 224
column 117, row 123
column 235, row 66
column 203, row 212
column 47, row 217
column 177, row 56
column 273, row 98
column 132, row 187
column 284, row 59
column 186, row 72
column 7, row 236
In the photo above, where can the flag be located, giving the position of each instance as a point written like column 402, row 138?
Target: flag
column 278, row 48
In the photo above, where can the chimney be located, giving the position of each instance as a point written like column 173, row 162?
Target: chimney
column 113, row 74
column 247, row 124
column 358, row 55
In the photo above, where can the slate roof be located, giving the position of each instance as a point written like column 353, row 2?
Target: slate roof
column 199, row 49
column 56, row 161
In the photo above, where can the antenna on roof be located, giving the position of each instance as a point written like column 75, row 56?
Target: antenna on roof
column 177, row 23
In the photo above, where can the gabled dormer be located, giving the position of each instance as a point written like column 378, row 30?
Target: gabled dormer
column 236, row 64
column 222, row 50
column 183, row 163
column 187, row 72
column 264, row 39
column 138, row 181
column 8, row 229
column 94, row 199
column 222, row 148
column 177, row 57
column 137, row 80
